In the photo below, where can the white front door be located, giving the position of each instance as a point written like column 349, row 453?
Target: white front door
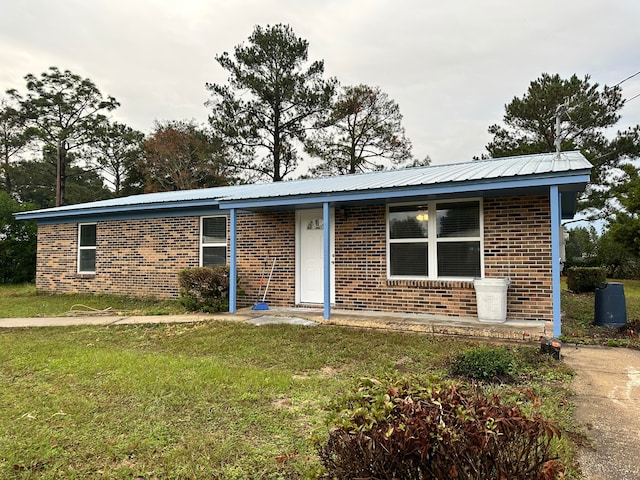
column 309, row 258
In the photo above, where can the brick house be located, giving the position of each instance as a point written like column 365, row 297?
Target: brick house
column 404, row 240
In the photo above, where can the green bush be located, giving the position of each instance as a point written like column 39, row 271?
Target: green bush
column 204, row 289
column 585, row 279
column 484, row 363
column 434, row 431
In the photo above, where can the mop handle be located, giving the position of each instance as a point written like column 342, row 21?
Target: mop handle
column 269, row 280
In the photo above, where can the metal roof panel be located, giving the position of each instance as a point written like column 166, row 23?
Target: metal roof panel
column 498, row 169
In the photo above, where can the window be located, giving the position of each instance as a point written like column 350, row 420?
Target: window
column 435, row 240
column 87, row 248
column 213, row 240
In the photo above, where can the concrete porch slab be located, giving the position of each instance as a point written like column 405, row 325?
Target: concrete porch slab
column 515, row 330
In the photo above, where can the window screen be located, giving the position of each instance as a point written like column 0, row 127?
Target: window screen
column 214, row 256
column 459, row 259
column 214, row 242
column 409, row 259
column 87, row 248
column 458, row 219
column 214, row 230
column 88, row 260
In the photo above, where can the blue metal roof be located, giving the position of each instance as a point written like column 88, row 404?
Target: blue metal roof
column 500, row 168
column 569, row 168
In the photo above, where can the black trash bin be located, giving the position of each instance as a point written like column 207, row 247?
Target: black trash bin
column 610, row 308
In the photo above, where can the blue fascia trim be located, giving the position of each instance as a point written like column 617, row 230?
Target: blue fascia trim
column 133, row 215
column 394, row 193
column 122, row 211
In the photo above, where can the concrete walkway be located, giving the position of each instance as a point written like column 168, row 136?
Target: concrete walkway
column 607, row 388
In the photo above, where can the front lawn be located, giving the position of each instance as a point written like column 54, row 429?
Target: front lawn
column 23, row 301
column 210, row 400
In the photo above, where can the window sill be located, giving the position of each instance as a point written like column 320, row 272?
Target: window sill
column 86, row 275
column 434, row 283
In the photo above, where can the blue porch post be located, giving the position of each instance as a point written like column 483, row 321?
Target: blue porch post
column 326, row 214
column 232, row 261
column 555, row 258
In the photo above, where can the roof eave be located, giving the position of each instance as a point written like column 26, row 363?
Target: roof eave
column 54, row 215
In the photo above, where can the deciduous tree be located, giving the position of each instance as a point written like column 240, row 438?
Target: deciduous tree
column 17, row 243
column 272, row 97
column 363, row 130
column 581, row 246
column 624, row 225
column 180, row 156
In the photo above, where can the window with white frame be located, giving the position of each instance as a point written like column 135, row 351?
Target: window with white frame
column 213, row 241
column 435, row 240
column 87, row 248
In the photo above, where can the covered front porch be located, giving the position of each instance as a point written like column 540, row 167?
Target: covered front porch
column 501, row 246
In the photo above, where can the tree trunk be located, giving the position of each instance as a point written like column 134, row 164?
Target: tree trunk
column 61, row 173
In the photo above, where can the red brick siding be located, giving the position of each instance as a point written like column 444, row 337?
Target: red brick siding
column 261, row 238
column 517, row 244
column 133, row 257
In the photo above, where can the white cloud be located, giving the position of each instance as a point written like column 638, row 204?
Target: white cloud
column 451, row 66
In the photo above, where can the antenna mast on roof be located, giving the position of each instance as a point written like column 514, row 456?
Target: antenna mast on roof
column 562, row 108
column 558, row 139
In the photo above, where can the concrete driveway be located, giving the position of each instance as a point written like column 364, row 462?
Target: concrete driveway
column 607, row 388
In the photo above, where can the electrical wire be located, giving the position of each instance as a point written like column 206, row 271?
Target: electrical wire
column 567, row 107
column 632, row 98
column 628, row 78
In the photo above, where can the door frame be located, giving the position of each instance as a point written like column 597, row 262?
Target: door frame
column 298, row 253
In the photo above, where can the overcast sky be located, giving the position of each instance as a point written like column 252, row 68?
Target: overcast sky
column 451, row 65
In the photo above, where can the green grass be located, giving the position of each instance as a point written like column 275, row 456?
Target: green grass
column 213, row 400
column 23, row 301
column 209, row 400
column 578, row 313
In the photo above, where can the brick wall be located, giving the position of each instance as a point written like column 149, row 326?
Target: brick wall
column 133, row 257
column 142, row 257
column 361, row 273
column 263, row 237
column 517, row 244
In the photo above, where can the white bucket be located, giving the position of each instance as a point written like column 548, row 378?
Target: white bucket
column 491, row 299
